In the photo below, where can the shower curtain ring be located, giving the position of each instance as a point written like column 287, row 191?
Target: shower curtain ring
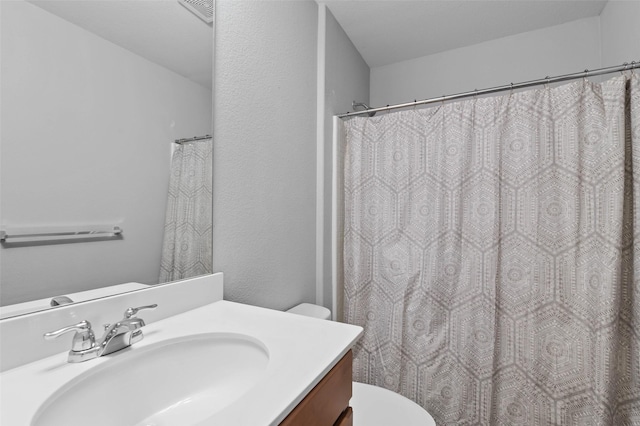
column 633, row 67
column 586, row 74
column 546, row 85
column 624, row 69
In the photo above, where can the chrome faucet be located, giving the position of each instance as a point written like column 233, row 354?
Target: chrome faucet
column 116, row 336
column 60, row 300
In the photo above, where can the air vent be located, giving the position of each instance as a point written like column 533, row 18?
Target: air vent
column 203, row 9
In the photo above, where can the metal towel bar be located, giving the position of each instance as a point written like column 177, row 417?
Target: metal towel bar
column 50, row 233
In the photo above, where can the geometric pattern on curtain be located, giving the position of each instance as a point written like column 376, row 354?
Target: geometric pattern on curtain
column 489, row 254
column 187, row 245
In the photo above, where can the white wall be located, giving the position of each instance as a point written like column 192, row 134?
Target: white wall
column 265, row 150
column 346, row 80
column 556, row 50
column 267, row 73
column 620, row 28
column 86, row 134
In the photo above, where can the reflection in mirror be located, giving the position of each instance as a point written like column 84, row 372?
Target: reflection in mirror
column 94, row 94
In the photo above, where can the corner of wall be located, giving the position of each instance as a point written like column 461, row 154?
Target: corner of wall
column 346, row 78
column 320, row 142
column 600, row 37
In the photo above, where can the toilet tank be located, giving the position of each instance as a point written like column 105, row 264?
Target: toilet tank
column 311, row 310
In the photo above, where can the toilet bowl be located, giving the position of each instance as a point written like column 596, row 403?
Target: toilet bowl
column 373, row 405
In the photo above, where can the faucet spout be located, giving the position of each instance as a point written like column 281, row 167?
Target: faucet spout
column 120, row 335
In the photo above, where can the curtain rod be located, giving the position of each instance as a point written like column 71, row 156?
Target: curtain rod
column 546, row 80
column 193, row 139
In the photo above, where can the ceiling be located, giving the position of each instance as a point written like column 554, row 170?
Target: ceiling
column 383, row 31
column 391, row 31
column 162, row 31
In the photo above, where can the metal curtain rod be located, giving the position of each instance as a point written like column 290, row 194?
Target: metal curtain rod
column 193, row 139
column 546, row 80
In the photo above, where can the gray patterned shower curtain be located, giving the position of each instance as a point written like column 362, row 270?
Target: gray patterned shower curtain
column 490, row 255
column 187, row 245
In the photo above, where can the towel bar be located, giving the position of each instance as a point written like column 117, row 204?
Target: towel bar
column 35, row 234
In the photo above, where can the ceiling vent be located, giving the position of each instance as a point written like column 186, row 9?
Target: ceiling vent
column 203, row 9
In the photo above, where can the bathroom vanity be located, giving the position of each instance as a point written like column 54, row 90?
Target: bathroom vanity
column 220, row 364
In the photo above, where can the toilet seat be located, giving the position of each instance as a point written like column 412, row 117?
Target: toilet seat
column 376, row 406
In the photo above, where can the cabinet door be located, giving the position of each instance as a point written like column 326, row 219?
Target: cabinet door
column 328, row 400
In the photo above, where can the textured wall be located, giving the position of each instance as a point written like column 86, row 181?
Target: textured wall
column 556, row 50
column 265, row 151
column 86, row 134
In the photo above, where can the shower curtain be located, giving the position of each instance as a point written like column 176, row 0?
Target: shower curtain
column 490, row 255
column 187, row 245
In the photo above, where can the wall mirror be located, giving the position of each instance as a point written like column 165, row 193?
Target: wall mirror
column 94, row 94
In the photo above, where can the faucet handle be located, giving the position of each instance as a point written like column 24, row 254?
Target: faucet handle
column 131, row 312
column 83, row 339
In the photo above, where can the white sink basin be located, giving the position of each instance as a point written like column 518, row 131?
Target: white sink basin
column 176, row 381
column 223, row 364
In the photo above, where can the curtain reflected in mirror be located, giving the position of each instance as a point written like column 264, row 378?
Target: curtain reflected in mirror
column 186, row 249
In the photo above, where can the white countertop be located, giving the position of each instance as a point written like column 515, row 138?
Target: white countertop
column 301, row 351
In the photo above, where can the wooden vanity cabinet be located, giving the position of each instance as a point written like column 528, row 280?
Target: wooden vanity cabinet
column 328, row 403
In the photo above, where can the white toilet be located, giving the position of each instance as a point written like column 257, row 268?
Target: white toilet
column 373, row 405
